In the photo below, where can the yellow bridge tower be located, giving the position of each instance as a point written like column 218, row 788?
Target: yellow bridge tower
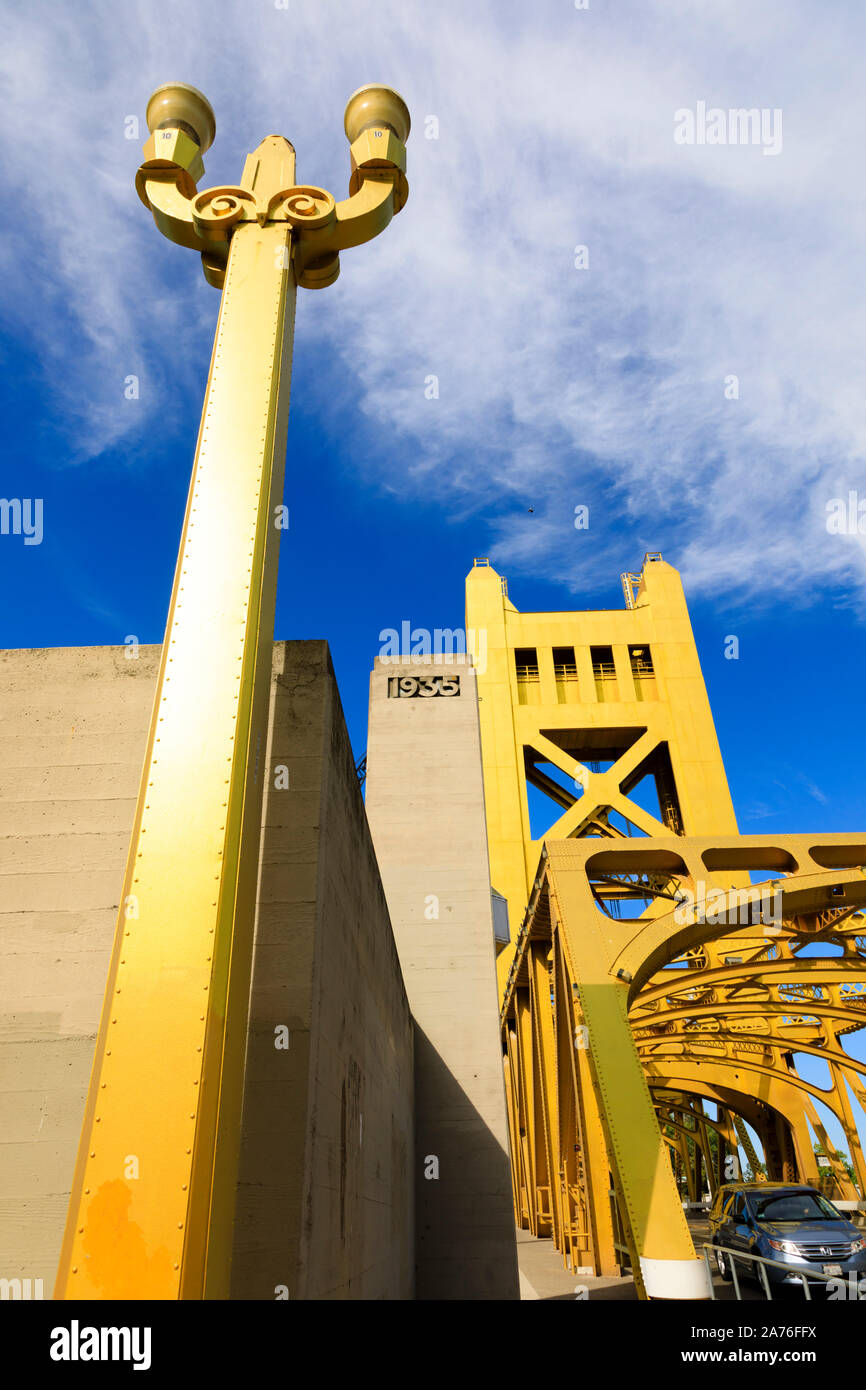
column 658, row 960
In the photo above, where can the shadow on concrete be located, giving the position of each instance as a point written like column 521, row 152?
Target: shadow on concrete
column 465, row 1244
column 324, row 1201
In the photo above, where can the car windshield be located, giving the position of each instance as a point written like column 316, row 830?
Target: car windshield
column 796, row 1206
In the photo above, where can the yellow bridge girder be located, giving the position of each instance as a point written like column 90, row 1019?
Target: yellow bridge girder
column 581, row 982
column 667, row 966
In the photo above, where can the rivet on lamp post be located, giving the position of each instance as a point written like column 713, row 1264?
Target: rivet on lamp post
column 152, row 1204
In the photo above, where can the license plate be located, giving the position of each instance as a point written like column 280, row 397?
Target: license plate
column 832, row 1269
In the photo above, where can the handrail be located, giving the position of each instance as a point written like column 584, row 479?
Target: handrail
column 761, row 1260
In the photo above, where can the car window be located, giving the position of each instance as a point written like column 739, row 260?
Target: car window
column 796, row 1206
column 736, row 1211
column 830, row 1212
column 720, row 1201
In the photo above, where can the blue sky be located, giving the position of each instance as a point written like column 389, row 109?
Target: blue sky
column 557, row 385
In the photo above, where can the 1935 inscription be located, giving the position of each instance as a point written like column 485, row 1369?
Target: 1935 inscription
column 424, row 686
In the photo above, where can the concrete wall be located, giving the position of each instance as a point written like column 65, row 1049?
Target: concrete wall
column 72, row 729
column 425, row 803
column 324, row 1204
column 325, row 1187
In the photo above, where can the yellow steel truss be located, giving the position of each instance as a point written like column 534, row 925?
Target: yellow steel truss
column 648, row 973
column 632, row 998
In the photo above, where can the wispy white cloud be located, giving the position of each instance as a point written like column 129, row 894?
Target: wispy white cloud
column 815, row 791
column 556, row 385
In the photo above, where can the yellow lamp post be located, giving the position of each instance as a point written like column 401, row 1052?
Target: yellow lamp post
column 152, row 1203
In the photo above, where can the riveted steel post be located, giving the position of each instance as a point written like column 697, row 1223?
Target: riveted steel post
column 152, row 1203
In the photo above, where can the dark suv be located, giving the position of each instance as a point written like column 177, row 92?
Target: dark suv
column 792, row 1224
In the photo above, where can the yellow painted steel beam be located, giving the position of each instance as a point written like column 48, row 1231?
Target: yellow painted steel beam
column 781, row 1102
column 684, row 1131
column 605, row 699
column 152, row 1203
column 839, row 1074
column 746, row 1141
column 151, row 1179
column 545, row 1063
column 514, row 1129
column 589, row 1131
column 790, row 970
column 663, row 1245
column 575, row 1201
column 526, row 1084
column 672, row 721
column 722, row 1030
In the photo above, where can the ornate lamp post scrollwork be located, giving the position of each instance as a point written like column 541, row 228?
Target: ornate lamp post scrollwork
column 182, row 129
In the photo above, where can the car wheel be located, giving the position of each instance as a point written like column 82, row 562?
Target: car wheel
column 723, row 1265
